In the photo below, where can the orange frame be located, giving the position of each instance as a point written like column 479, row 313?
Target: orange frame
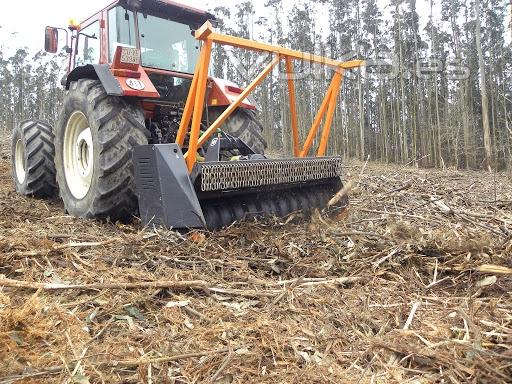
column 196, row 98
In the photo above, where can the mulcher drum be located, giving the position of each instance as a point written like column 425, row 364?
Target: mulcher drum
column 237, row 191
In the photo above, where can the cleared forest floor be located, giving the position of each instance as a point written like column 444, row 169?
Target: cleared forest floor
column 412, row 285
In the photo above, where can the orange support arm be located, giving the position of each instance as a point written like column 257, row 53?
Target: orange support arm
column 285, row 52
column 200, row 94
column 293, row 107
column 189, row 106
column 316, row 123
column 235, row 104
column 193, row 111
column 338, row 77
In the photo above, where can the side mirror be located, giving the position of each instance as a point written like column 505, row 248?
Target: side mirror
column 51, row 39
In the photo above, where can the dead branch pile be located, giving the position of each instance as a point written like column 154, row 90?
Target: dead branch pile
column 412, row 284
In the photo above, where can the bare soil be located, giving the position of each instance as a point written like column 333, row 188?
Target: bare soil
column 411, row 285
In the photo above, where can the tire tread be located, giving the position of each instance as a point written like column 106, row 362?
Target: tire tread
column 40, row 178
column 243, row 124
column 119, row 125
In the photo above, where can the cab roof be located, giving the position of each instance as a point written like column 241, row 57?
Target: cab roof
column 172, row 9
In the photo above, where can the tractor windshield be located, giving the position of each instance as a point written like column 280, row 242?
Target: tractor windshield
column 166, row 44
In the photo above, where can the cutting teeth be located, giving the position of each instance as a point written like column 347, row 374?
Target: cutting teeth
column 217, row 176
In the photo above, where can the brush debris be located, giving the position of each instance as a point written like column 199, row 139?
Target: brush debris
column 411, row 284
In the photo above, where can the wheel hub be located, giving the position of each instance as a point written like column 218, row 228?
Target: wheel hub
column 84, row 153
column 78, row 155
column 19, row 161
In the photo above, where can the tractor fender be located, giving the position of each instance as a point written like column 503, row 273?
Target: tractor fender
column 115, row 85
column 99, row 72
column 224, row 93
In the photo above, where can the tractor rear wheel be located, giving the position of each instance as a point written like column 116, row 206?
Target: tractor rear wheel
column 94, row 139
column 243, row 124
column 32, row 155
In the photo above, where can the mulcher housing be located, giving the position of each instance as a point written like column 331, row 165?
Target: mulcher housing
column 200, row 162
column 221, row 192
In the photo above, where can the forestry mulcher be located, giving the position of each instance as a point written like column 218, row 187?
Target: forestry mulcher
column 145, row 129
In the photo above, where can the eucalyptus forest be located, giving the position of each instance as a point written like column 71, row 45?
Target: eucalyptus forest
column 436, row 90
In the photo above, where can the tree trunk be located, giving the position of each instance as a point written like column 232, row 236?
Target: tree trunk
column 483, row 89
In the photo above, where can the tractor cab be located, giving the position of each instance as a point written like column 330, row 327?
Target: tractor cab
column 157, row 34
column 161, row 30
column 156, row 37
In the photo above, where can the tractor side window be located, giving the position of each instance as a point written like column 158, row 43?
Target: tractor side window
column 88, row 46
column 121, row 30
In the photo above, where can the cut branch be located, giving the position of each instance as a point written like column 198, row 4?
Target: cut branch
column 177, row 285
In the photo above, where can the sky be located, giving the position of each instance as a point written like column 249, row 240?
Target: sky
column 22, row 22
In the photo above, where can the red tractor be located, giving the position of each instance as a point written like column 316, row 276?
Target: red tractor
column 144, row 129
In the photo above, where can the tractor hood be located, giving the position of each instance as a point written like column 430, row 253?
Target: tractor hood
column 171, row 9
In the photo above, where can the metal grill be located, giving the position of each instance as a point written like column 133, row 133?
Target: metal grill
column 249, row 174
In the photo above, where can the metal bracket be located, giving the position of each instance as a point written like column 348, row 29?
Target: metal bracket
column 226, row 142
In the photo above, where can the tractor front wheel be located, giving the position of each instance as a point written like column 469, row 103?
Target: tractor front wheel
column 244, row 124
column 94, row 139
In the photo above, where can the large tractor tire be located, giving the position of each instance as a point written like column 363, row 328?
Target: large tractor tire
column 243, row 124
column 32, row 155
column 94, row 139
